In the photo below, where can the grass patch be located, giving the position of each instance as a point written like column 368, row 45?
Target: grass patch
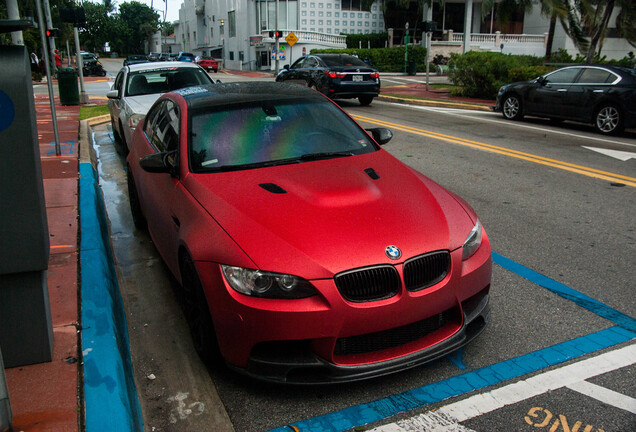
column 87, row 112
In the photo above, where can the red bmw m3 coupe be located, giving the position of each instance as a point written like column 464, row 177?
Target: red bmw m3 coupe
column 306, row 253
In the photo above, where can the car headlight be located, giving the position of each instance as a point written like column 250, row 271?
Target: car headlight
column 473, row 241
column 134, row 120
column 258, row 283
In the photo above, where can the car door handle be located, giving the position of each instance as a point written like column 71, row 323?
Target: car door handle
column 599, row 91
column 562, row 90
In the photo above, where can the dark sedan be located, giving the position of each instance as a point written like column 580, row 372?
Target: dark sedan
column 601, row 95
column 339, row 76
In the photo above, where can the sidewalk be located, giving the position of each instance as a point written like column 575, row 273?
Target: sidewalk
column 50, row 396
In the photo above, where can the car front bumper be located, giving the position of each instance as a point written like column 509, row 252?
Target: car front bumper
column 308, row 341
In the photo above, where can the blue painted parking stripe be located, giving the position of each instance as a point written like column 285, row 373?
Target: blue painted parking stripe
column 566, row 292
column 380, row 409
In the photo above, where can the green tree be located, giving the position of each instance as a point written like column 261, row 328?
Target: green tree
column 595, row 16
column 137, row 22
column 98, row 27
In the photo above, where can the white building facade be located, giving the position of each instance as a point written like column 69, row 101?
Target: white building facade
column 238, row 31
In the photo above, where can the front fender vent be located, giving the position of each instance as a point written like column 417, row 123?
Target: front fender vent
column 273, row 188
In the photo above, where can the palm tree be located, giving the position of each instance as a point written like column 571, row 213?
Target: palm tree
column 595, row 16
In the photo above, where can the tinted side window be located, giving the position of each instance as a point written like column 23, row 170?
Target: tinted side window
column 596, row 76
column 151, row 118
column 298, row 63
column 118, row 81
column 165, row 127
column 563, row 76
column 310, row 62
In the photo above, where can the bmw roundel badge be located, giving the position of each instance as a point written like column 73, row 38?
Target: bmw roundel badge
column 393, row 252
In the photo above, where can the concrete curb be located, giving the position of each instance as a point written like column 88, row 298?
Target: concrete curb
column 110, row 393
column 436, row 103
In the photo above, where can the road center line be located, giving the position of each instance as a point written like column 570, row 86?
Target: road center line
column 571, row 376
column 485, row 116
column 586, row 171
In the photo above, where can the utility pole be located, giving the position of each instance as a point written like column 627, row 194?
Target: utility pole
column 277, row 45
column 14, row 14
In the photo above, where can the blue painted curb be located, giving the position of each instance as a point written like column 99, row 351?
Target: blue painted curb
column 110, row 394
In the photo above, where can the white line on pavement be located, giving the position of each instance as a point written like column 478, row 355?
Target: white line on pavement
column 566, row 376
column 610, row 397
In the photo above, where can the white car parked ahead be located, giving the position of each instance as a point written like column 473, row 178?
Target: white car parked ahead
column 138, row 86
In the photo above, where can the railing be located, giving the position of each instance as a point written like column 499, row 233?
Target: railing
column 497, row 38
column 337, row 41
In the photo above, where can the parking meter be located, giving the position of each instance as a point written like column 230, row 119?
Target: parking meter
column 26, row 334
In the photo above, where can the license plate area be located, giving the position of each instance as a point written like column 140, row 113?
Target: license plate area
column 356, row 78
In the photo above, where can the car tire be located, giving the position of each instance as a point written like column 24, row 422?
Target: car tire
column 512, row 108
column 122, row 135
column 365, row 100
column 216, row 70
column 608, row 119
column 135, row 206
column 116, row 133
column 197, row 312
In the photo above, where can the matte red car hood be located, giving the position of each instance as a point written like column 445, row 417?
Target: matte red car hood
column 332, row 216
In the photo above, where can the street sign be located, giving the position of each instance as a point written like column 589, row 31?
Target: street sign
column 291, row 39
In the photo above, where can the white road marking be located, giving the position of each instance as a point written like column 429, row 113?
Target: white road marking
column 572, row 375
column 605, row 395
column 485, row 116
column 616, row 154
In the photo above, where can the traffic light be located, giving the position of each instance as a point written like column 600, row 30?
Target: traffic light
column 275, row 34
column 52, row 32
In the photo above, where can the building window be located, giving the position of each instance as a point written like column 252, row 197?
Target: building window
column 312, row 13
column 336, row 22
column 328, row 14
column 328, row 22
column 312, row 22
column 304, row 13
column 328, row 5
column 321, row 22
column 336, row 14
column 321, row 5
column 321, row 13
column 304, row 22
column 231, row 55
column 344, row 15
column 231, row 18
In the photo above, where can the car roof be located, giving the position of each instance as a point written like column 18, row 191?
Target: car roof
column 241, row 92
column 160, row 65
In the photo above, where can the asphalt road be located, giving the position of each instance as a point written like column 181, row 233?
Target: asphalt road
column 555, row 208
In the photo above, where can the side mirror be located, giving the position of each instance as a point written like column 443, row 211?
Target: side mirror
column 542, row 80
column 381, row 135
column 158, row 163
column 113, row 94
column 286, row 67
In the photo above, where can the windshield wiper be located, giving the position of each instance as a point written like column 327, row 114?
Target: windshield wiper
column 325, row 155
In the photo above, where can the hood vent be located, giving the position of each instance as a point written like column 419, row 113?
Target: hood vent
column 372, row 173
column 273, row 188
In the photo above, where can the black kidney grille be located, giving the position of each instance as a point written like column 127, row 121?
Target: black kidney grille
column 426, row 270
column 392, row 338
column 371, row 283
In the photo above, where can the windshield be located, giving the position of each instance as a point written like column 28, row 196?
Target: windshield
column 165, row 80
column 272, row 133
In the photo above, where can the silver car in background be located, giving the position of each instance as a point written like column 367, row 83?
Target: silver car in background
column 138, row 86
